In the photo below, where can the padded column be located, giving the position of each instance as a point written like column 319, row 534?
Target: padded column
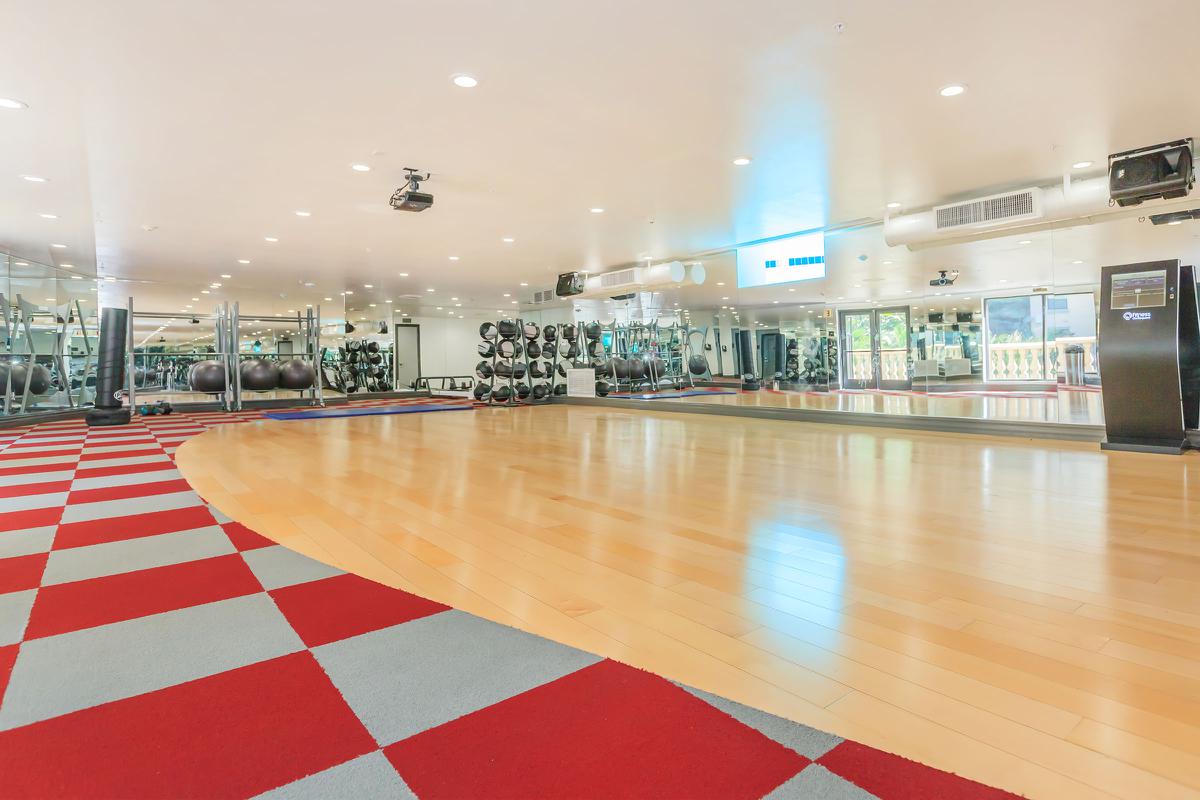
column 110, row 369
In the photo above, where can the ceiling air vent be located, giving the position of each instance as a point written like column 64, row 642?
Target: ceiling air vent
column 622, row 277
column 998, row 209
column 544, row 296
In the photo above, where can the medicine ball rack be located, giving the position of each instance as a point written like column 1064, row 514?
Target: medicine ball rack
column 639, row 356
column 365, row 365
column 505, row 349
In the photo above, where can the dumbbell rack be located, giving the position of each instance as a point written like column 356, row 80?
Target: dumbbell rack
column 526, row 379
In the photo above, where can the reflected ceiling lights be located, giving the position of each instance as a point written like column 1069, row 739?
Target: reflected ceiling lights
column 454, row 258
column 741, row 161
column 48, row 216
column 360, row 168
column 508, row 240
column 303, row 213
column 8, row 102
column 893, row 205
column 243, row 261
column 464, row 81
column 33, row 178
column 953, row 90
column 1081, row 165
column 59, row 246
column 271, row 239
column 597, row 210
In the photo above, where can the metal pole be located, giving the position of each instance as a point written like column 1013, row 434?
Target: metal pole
column 235, row 351
column 132, row 377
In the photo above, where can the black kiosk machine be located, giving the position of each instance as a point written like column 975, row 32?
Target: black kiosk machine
column 1149, row 356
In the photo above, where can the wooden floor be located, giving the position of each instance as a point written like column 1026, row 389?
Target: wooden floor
column 1068, row 406
column 1026, row 614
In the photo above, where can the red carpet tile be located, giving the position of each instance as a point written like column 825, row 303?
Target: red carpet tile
column 605, row 731
column 234, row 734
column 150, row 647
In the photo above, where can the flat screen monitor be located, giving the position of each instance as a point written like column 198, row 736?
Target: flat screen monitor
column 795, row 258
column 1139, row 290
column 937, row 316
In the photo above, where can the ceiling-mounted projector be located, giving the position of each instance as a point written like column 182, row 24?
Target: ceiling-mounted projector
column 409, row 197
column 1147, row 173
column 946, row 277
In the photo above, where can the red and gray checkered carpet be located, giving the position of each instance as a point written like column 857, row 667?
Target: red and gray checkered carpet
column 150, row 647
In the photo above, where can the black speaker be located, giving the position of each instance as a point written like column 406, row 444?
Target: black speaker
column 1164, row 171
column 569, row 283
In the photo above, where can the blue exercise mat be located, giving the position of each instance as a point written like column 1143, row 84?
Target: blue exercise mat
column 330, row 413
column 667, row 396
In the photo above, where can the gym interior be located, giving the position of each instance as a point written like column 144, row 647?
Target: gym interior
column 669, row 401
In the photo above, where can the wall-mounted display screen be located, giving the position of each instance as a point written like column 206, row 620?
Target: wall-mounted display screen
column 796, row 258
column 1139, row 289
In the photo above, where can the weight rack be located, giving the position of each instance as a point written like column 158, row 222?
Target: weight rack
column 527, row 380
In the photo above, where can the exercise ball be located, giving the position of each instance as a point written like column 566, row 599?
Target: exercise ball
column 698, row 365
column 530, row 330
column 483, row 370
column 568, row 331
column 605, row 369
column 523, row 391
column 533, row 349
column 372, row 347
column 620, row 368
column 550, row 333
column 602, row 388
column 507, row 328
column 259, row 375
column 535, row 370
column 207, row 377
column 297, row 375
column 636, row 369
column 592, row 331
column 487, row 331
column 658, row 366
column 486, row 349
column 38, row 384
column 482, row 390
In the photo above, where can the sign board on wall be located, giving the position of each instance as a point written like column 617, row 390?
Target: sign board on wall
column 795, row 258
column 581, row 383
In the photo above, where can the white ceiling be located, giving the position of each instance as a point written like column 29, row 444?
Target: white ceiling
column 176, row 136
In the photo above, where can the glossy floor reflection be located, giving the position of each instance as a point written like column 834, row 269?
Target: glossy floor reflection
column 1025, row 614
column 1069, row 406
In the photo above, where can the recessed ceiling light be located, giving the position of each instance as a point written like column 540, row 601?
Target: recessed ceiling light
column 438, row 308
column 724, row 298
column 387, row 301
column 205, row 291
column 741, row 161
column 76, row 278
column 1004, row 280
column 303, row 213
column 893, row 205
column 1025, row 241
column 348, row 291
column 48, row 216
column 454, row 258
column 214, row 286
column 464, row 81
column 225, row 276
column 1077, row 261
column 597, row 210
column 328, row 299
column 368, row 286
column 196, row 299
column 403, row 274
column 506, row 294
column 953, row 90
column 431, row 290
column 1081, row 165
column 59, row 246
column 524, row 284
column 360, row 168
column 8, row 102
column 33, row 178
column 791, row 290
column 270, row 239
column 720, row 283
column 508, row 240
column 887, row 263
column 458, row 305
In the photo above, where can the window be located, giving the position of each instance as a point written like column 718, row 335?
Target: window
column 770, row 264
column 1025, row 336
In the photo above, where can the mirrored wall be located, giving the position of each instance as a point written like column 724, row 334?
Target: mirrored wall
column 49, row 330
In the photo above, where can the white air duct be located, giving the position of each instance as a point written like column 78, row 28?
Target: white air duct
column 1071, row 202
column 638, row 279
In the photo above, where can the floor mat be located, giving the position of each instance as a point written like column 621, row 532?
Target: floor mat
column 672, row 395
column 150, row 647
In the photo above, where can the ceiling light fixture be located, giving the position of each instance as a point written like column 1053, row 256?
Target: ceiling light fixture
column 67, row 266
column 597, row 210
column 271, row 239
column 741, row 161
column 360, row 168
column 368, row 286
column 953, row 90
column 33, row 178
column 59, row 246
column 226, row 276
column 508, row 240
column 524, row 284
column 454, row 258
column 303, row 213
column 893, row 205
column 431, row 290
column 464, row 81
column 8, row 102
column 1081, row 165
column 1025, row 241
column 403, row 274
column 48, row 216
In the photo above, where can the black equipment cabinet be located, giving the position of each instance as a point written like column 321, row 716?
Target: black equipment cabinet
column 1149, row 355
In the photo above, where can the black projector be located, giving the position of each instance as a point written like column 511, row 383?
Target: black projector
column 1148, row 173
column 409, row 200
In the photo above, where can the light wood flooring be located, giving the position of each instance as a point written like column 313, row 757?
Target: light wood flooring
column 1026, row 614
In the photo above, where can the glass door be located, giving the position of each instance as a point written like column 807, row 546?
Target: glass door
column 875, row 347
column 858, row 361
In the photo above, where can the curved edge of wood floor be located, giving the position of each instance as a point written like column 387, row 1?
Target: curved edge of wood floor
column 815, row 572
